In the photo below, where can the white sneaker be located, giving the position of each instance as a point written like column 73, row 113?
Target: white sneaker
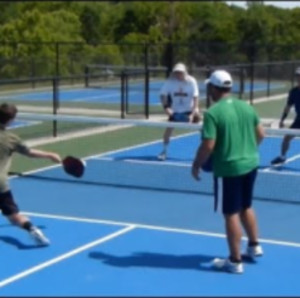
column 39, row 237
column 253, row 252
column 162, row 156
column 227, row 265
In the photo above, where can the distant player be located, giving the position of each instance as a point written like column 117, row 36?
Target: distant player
column 293, row 100
column 179, row 97
column 9, row 144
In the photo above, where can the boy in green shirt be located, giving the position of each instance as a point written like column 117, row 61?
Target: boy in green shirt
column 230, row 137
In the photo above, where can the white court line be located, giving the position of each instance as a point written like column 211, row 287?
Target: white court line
column 151, row 227
column 178, row 164
column 269, row 169
column 62, row 257
column 152, row 162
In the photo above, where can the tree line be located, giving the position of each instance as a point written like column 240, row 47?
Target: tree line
column 117, row 32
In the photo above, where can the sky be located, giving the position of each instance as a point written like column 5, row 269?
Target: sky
column 283, row 4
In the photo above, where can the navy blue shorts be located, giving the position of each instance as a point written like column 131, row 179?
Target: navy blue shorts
column 296, row 124
column 236, row 192
column 180, row 117
column 7, row 204
column 184, row 117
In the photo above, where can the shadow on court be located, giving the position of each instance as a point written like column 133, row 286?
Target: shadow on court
column 18, row 244
column 156, row 260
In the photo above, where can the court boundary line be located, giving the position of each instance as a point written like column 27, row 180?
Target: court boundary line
column 269, row 169
column 151, row 162
column 185, row 165
column 153, row 227
column 66, row 255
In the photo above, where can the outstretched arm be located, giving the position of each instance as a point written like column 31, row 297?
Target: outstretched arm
column 45, row 155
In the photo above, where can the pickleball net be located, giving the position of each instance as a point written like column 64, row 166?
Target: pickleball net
column 123, row 154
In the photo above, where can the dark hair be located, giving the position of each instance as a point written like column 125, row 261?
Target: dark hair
column 7, row 113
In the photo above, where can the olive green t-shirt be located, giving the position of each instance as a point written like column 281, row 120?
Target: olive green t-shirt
column 232, row 124
column 9, row 143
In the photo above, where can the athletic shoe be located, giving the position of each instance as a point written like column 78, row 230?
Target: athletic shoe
column 253, row 252
column 278, row 161
column 39, row 237
column 227, row 265
column 162, row 156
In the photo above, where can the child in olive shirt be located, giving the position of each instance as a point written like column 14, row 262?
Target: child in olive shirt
column 9, row 144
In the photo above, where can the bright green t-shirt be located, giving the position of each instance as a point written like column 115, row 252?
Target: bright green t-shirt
column 231, row 123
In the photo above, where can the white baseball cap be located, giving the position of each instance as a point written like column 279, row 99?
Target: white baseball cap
column 297, row 71
column 179, row 67
column 220, row 78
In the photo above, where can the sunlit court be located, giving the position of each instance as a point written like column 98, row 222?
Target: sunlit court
column 149, row 148
column 129, row 221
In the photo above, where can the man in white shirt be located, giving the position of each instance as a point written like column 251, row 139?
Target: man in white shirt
column 179, row 97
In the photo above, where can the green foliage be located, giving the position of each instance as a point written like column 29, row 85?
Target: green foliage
column 221, row 34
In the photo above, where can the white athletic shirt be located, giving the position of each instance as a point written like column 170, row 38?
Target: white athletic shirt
column 182, row 93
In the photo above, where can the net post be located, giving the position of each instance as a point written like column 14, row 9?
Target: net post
column 122, row 95
column 55, row 104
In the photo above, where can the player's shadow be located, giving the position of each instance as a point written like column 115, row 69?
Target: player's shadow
column 18, row 244
column 156, row 260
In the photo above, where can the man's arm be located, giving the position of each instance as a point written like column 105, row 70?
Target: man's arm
column 260, row 133
column 285, row 113
column 195, row 105
column 203, row 153
column 44, row 154
column 195, row 110
column 166, row 105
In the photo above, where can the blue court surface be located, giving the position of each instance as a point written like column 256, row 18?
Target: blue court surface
column 119, row 231
column 136, row 94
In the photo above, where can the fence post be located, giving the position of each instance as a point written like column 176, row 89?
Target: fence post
column 242, row 82
column 55, row 104
column 86, row 76
column 146, row 81
column 32, row 64
column 147, row 94
column 122, row 95
column 169, row 57
column 251, row 82
column 268, row 79
column 293, row 75
column 208, row 72
column 57, row 71
column 126, row 92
